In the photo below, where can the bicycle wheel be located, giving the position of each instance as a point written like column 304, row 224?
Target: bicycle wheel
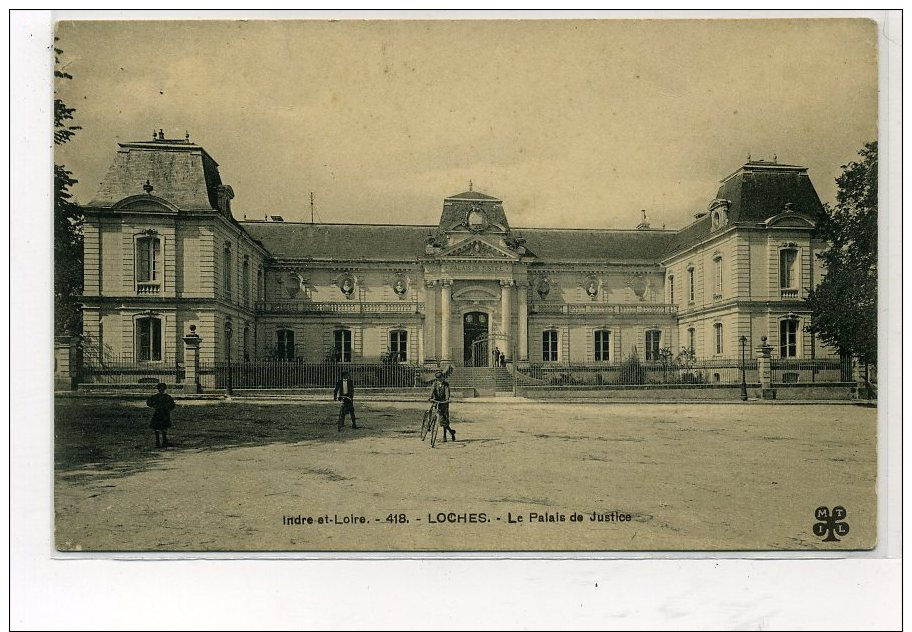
column 435, row 427
column 425, row 424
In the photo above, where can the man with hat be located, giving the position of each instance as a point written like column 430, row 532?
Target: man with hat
column 440, row 394
column 345, row 391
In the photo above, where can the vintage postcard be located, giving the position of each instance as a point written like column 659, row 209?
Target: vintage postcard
column 466, row 285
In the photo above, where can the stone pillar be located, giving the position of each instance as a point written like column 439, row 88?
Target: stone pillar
column 506, row 288
column 66, row 369
column 522, row 317
column 191, row 361
column 429, row 348
column 764, row 367
column 445, row 296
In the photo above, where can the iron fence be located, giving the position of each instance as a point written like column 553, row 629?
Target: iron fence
column 278, row 374
column 809, row 371
column 124, row 369
column 722, row 371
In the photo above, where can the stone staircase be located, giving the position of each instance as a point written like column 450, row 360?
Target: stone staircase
column 484, row 380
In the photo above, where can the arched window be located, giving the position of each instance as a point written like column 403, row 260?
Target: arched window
column 692, row 340
column 602, row 345
column 398, row 344
column 261, row 285
column 246, row 342
column 285, row 344
column 148, row 265
column 148, row 339
column 549, row 345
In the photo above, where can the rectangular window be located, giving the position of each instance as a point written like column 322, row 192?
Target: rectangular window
column 718, row 332
column 227, row 271
column 148, row 264
column 788, row 338
column 398, row 344
column 717, row 277
column 549, row 346
column 787, row 265
column 245, row 281
column 261, row 287
column 692, row 340
column 671, row 290
column 246, row 343
column 148, row 339
column 342, row 345
column 653, row 338
column 691, row 286
column 285, row 344
column 602, row 346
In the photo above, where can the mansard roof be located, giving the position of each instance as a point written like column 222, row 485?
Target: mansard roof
column 757, row 191
column 760, row 189
column 381, row 242
column 177, row 170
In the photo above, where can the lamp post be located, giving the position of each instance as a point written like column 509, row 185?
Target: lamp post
column 743, row 340
column 228, row 332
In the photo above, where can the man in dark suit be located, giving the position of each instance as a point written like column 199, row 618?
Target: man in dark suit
column 345, row 391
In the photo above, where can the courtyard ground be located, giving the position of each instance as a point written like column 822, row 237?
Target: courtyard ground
column 247, row 475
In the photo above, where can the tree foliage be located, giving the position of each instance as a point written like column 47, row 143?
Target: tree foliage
column 67, row 224
column 844, row 305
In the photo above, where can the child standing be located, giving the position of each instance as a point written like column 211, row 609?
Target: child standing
column 161, row 418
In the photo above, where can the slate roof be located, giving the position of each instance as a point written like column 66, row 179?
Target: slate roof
column 760, row 190
column 757, row 191
column 179, row 171
column 473, row 195
column 380, row 242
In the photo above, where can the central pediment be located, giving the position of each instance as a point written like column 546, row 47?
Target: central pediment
column 477, row 249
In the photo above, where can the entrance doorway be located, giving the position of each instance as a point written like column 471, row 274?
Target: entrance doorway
column 475, row 329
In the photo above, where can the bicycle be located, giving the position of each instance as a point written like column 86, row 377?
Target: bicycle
column 430, row 424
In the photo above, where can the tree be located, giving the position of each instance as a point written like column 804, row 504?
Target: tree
column 67, row 224
column 844, row 305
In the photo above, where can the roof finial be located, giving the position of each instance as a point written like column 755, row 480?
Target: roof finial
column 187, row 135
column 748, row 156
column 161, row 134
column 470, row 185
column 148, row 188
column 775, row 157
column 154, row 135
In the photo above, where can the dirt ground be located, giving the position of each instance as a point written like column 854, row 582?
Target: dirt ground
column 246, row 476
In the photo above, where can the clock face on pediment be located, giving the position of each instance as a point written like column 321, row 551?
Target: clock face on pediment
column 476, row 220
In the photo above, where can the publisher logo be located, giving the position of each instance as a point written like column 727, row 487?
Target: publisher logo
column 831, row 524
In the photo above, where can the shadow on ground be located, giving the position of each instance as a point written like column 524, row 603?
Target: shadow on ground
column 109, row 437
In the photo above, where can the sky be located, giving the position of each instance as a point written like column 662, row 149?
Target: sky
column 573, row 123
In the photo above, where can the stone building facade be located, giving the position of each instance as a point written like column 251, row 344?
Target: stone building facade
column 164, row 252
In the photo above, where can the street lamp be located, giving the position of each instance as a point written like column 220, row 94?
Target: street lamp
column 228, row 332
column 743, row 340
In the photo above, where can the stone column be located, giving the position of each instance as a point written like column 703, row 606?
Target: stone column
column 191, row 361
column 522, row 316
column 506, row 288
column 429, row 348
column 445, row 296
column 765, row 370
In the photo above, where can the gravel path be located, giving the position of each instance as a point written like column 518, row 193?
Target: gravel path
column 690, row 477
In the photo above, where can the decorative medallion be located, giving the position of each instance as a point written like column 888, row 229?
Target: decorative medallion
column 292, row 284
column 476, row 219
column 592, row 287
column 400, row 285
column 346, row 284
column 543, row 287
